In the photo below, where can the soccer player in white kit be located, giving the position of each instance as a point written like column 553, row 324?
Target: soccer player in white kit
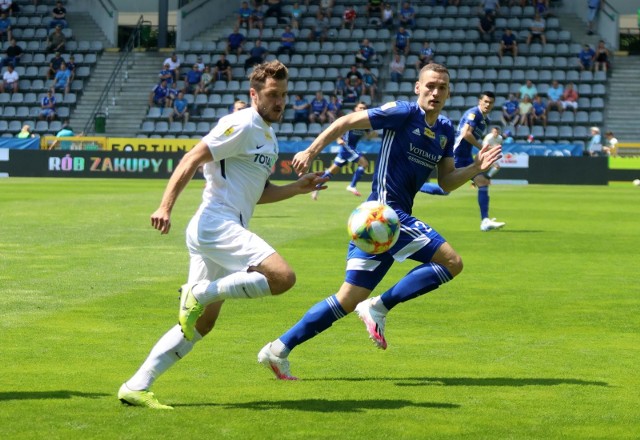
column 237, row 157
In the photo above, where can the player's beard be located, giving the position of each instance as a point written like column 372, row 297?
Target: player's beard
column 270, row 114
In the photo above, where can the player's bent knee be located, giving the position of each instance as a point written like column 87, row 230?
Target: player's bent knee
column 283, row 281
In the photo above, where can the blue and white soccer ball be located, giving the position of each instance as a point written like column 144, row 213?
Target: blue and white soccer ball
column 374, row 227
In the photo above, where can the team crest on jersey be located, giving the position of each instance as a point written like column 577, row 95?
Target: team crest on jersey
column 388, row 105
column 443, row 141
column 228, row 131
column 429, row 133
column 268, row 136
column 472, row 116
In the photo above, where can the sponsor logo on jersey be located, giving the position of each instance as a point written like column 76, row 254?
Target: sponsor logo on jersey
column 472, row 116
column 388, row 105
column 228, row 131
column 429, row 133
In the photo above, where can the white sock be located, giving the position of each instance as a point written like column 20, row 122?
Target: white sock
column 169, row 349
column 279, row 349
column 237, row 285
column 377, row 304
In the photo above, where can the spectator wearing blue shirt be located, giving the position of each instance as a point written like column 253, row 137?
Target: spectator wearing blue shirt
column 62, row 80
column 425, row 56
column 539, row 111
column 166, row 74
column 508, row 44
column 192, row 79
column 334, row 108
column 5, row 27
column 180, row 108
column 554, row 95
column 287, row 42
column 300, row 109
column 48, row 106
column 235, row 42
column 366, row 53
column 407, row 15
column 402, row 42
column 244, row 15
column 585, row 58
column 257, row 55
column 510, row 111
column 594, row 7
column 158, row 95
column 319, row 106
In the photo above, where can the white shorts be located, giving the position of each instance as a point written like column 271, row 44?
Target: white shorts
column 220, row 246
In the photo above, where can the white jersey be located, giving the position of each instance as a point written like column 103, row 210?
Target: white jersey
column 244, row 149
column 492, row 140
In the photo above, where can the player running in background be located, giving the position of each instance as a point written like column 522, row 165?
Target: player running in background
column 237, row 156
column 416, row 139
column 469, row 133
column 349, row 153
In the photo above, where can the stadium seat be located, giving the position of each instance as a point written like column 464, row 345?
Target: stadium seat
column 203, row 128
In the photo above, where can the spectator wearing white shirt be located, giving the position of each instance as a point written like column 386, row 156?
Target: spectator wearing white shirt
column 10, row 80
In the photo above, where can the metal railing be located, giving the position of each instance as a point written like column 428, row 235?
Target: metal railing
column 119, row 75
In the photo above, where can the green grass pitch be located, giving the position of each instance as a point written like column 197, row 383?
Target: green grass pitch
column 538, row 338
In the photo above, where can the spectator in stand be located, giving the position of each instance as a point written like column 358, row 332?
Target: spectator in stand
column 257, row 19
column 48, row 106
column 539, row 113
column 300, row 109
column 238, row 105
column 174, row 66
column 244, row 16
column 402, row 42
column 510, row 111
column 396, row 68
column 319, row 29
column 554, row 95
column 62, row 80
column 165, row 74
column 355, row 79
column 508, row 43
column 326, row 6
column 528, row 90
column 9, row 7
column 287, row 42
column 222, row 69
column 54, row 65
column 25, row 132
column 58, row 16
column 611, row 148
column 508, row 137
column 200, row 63
column 192, row 79
column 172, row 94
column 594, row 148
column 601, row 57
column 425, row 56
column 180, row 108
column 235, row 42
column 319, row 106
column 594, row 7
column 340, row 87
column 585, row 58
column 257, row 55
column 536, row 30
column 351, row 92
column 206, row 81
column 366, row 54
column 349, row 17
column 5, row 27
column 56, row 41
column 71, row 67
column 570, row 98
column 370, row 82
column 525, row 108
column 334, row 108
column 13, row 54
column 374, row 9
column 10, row 79
column 296, row 16
column 541, row 7
column 274, row 9
column 487, row 27
column 159, row 94
column 387, row 16
column 492, row 6
column 407, row 16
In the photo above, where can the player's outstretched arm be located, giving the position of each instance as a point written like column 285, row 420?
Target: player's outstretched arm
column 304, row 185
column 356, row 120
column 198, row 155
column 450, row 177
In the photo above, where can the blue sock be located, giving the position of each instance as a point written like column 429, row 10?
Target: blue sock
column 356, row 176
column 325, row 174
column 418, row 281
column 433, row 189
column 317, row 319
column 483, row 201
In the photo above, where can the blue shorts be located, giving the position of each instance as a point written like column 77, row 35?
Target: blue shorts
column 417, row 241
column 346, row 154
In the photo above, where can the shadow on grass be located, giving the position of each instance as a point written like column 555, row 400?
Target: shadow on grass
column 42, row 395
column 471, row 381
column 328, row 406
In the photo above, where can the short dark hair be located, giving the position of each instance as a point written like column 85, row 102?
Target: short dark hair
column 488, row 94
column 270, row 69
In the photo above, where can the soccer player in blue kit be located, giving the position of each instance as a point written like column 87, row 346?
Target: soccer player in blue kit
column 416, row 139
column 469, row 134
column 349, row 153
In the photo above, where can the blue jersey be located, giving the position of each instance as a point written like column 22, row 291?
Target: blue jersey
column 318, row 105
column 463, row 150
column 410, row 151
